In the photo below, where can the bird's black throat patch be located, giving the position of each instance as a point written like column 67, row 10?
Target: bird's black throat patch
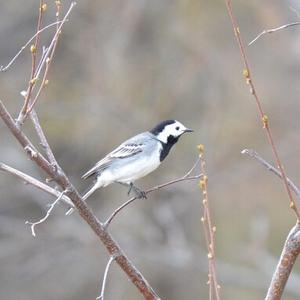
column 166, row 147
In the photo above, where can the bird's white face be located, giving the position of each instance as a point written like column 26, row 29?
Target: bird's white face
column 175, row 129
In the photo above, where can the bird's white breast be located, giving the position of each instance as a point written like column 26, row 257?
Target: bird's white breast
column 137, row 167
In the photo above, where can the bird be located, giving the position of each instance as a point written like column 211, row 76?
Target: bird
column 136, row 157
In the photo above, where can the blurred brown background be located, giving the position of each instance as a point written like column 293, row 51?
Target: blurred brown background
column 121, row 67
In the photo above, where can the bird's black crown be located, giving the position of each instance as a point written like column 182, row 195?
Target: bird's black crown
column 160, row 127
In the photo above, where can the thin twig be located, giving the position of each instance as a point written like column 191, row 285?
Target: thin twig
column 186, row 177
column 44, row 60
column 34, row 182
column 252, row 153
column 34, row 51
column 101, row 296
column 3, row 69
column 51, row 206
column 209, row 231
column 263, row 116
column 110, row 244
column 293, row 9
column 43, row 139
column 285, row 265
column 273, row 30
column 49, row 58
column 192, row 168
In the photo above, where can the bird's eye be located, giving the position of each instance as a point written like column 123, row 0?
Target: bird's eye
column 177, row 128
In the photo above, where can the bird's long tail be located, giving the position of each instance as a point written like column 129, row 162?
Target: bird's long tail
column 96, row 185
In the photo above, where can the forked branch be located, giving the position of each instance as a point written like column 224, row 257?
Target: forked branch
column 252, row 153
column 263, row 116
column 101, row 296
column 273, row 30
column 60, row 178
column 42, row 220
column 34, row 182
column 186, row 177
column 291, row 247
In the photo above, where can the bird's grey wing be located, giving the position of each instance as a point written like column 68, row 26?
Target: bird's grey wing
column 129, row 148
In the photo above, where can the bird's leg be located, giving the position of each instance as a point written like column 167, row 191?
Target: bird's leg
column 138, row 193
column 130, row 188
column 126, row 184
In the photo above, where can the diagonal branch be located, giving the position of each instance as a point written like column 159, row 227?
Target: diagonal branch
column 34, row 182
column 285, row 265
column 3, row 69
column 273, row 30
column 263, row 116
column 155, row 188
column 111, row 245
column 43, row 140
column 252, row 153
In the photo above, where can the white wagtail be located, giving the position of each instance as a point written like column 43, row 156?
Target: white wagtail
column 135, row 158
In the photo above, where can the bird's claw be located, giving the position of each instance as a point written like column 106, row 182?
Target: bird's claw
column 141, row 194
column 138, row 193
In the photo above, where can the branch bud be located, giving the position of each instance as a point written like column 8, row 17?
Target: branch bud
column 44, row 7
column 202, row 184
column 33, row 80
column 201, row 149
column 265, row 120
column 33, row 49
column 246, row 73
column 237, row 31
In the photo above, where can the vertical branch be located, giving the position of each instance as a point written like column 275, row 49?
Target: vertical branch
column 285, row 265
column 48, row 59
column 209, row 231
column 45, row 61
column 263, row 116
column 34, row 50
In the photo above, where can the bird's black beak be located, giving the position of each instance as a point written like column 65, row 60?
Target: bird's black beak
column 188, row 130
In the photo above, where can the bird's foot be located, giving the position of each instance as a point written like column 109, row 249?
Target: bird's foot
column 140, row 194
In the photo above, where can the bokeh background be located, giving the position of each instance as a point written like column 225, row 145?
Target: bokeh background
column 121, row 67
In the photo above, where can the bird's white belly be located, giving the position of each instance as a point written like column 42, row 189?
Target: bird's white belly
column 130, row 172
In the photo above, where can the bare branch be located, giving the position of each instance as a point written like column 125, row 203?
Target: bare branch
column 38, row 184
column 285, row 265
column 186, row 177
column 43, row 139
column 192, row 168
column 101, row 296
column 3, row 69
column 45, row 60
column 51, row 206
column 252, row 153
column 263, row 116
column 209, row 232
column 273, row 30
column 111, row 245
